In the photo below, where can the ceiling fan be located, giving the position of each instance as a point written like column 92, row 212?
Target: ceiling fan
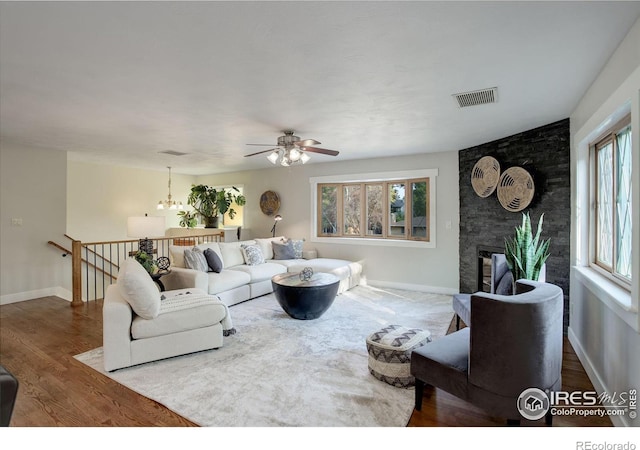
column 291, row 149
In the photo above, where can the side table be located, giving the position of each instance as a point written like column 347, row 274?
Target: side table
column 156, row 277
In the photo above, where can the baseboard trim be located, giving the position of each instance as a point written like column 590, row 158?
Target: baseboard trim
column 56, row 291
column 412, row 287
column 596, row 380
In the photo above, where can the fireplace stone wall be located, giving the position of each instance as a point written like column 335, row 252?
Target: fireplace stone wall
column 545, row 153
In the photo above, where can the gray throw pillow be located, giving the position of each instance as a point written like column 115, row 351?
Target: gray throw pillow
column 283, row 251
column 297, row 246
column 195, row 259
column 213, row 260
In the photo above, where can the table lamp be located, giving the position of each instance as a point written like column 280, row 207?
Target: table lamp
column 144, row 228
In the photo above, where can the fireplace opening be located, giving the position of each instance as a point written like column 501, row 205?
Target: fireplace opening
column 484, row 266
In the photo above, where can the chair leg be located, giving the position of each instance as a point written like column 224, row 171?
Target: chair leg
column 457, row 322
column 548, row 418
column 419, row 394
column 513, row 423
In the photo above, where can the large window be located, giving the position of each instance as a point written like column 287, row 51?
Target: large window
column 386, row 209
column 612, row 215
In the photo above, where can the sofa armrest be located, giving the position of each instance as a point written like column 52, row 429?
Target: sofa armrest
column 117, row 316
column 181, row 278
column 309, row 254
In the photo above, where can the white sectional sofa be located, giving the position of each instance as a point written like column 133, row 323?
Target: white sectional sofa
column 238, row 281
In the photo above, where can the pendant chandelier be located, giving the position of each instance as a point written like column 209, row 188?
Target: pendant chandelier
column 169, row 203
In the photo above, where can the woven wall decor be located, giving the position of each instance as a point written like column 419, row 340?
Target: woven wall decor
column 485, row 176
column 515, row 189
column 269, row 203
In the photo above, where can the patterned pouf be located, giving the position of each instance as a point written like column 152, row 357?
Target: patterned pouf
column 390, row 353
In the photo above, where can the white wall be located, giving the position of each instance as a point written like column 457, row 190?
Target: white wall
column 101, row 197
column 604, row 334
column 433, row 269
column 98, row 209
column 33, row 190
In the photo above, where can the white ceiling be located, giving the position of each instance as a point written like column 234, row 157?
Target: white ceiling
column 119, row 82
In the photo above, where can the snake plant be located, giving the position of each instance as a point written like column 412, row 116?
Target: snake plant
column 525, row 253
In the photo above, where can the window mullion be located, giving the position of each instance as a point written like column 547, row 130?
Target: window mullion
column 408, row 205
column 614, row 203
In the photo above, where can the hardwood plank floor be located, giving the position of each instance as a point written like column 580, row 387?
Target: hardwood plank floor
column 38, row 339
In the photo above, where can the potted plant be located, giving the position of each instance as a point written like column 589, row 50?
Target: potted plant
column 147, row 262
column 188, row 219
column 525, row 253
column 210, row 203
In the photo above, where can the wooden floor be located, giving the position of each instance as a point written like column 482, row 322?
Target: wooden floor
column 38, row 339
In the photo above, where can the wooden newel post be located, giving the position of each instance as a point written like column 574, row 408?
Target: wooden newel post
column 76, row 268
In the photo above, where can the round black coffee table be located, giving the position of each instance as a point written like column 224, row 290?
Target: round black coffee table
column 305, row 299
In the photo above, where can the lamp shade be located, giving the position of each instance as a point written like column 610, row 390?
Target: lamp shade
column 145, row 227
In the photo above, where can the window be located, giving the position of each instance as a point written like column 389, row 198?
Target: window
column 381, row 209
column 612, row 199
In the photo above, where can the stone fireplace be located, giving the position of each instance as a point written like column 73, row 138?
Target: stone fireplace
column 484, row 224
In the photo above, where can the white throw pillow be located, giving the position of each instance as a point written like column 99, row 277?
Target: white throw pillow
column 138, row 289
column 252, row 254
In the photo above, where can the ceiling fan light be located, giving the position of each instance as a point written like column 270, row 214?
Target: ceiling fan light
column 285, row 162
column 294, row 154
column 304, row 157
column 160, row 205
column 273, row 157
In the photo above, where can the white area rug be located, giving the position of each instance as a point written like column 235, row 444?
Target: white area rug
column 279, row 371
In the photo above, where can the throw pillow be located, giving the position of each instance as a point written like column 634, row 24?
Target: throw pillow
column 283, row 251
column 252, row 254
column 213, row 260
column 297, row 246
column 195, row 259
column 138, row 289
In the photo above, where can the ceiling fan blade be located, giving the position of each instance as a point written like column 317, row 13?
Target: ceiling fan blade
column 307, row 143
column 263, row 151
column 324, row 151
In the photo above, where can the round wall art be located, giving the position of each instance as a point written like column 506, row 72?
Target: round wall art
column 269, row 202
column 485, row 176
column 515, row 189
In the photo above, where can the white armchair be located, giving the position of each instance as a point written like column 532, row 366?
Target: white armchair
column 141, row 324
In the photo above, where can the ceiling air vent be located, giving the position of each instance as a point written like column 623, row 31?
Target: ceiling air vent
column 173, row 153
column 480, row 97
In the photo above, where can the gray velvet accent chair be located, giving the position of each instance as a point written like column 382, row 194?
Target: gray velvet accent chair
column 501, row 284
column 513, row 343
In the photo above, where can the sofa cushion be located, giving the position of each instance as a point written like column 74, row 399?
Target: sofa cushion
column 176, row 255
column 265, row 246
column 260, row 272
column 180, row 313
column 138, row 289
column 226, row 280
column 290, row 262
column 213, row 260
column 283, row 251
column 343, row 269
column 231, row 253
column 194, row 259
column 252, row 254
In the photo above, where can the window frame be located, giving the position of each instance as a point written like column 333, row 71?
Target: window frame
column 609, row 136
column 367, row 179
